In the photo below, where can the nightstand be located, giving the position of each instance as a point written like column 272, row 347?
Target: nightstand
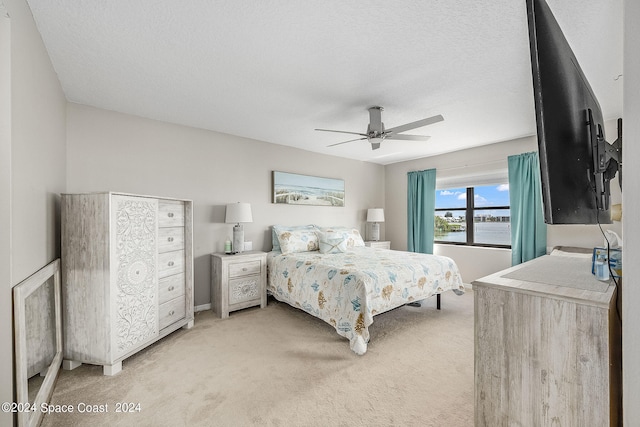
column 238, row 281
column 378, row 244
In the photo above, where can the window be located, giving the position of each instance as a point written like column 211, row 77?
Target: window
column 476, row 216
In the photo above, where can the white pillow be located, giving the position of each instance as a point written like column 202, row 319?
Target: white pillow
column 298, row 241
column 351, row 235
column 331, row 242
column 276, row 229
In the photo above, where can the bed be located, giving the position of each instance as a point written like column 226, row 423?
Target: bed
column 347, row 283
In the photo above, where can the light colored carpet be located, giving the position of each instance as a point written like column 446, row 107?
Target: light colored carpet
column 279, row 366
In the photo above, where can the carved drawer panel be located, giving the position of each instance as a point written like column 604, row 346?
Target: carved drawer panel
column 170, row 239
column 171, row 287
column 244, row 268
column 170, row 263
column 134, row 290
column 172, row 311
column 170, row 213
column 243, row 290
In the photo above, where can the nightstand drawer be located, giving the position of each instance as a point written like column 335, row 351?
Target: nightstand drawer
column 240, row 269
column 170, row 287
column 171, row 311
column 378, row 244
column 243, row 290
column 170, row 263
column 170, row 213
column 170, row 239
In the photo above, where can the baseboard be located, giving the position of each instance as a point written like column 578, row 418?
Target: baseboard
column 202, row 307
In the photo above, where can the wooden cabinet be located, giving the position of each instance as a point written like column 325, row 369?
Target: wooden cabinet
column 127, row 274
column 238, row 281
column 547, row 346
column 378, row 244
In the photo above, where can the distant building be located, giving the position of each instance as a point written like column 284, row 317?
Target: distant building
column 491, row 218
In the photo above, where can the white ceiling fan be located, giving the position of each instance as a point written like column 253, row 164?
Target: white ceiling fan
column 376, row 133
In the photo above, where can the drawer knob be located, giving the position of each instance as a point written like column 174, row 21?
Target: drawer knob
column 170, row 214
column 244, row 268
column 171, row 313
column 170, row 264
column 170, row 239
column 171, row 288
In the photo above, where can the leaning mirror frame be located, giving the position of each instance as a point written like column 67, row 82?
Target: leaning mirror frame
column 20, row 293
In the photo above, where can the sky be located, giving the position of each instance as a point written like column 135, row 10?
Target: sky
column 292, row 179
column 490, row 195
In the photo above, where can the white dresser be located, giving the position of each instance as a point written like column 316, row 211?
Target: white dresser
column 547, row 346
column 127, row 274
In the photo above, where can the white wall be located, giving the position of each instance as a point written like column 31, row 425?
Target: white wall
column 110, row 151
column 6, row 337
column 38, row 146
column 481, row 166
column 631, row 215
column 36, row 174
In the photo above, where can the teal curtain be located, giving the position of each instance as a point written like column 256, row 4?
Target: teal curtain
column 528, row 229
column 421, row 204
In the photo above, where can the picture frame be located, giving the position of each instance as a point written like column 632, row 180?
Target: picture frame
column 296, row 189
column 24, row 328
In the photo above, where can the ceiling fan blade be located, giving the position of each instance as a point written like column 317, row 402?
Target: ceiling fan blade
column 341, row 131
column 415, row 125
column 408, row 137
column 344, row 142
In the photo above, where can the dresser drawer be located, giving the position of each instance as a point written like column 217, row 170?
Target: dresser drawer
column 170, row 239
column 171, row 311
column 246, row 289
column 170, row 213
column 170, row 263
column 247, row 268
column 171, row 287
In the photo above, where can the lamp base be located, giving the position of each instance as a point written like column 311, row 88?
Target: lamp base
column 375, row 232
column 238, row 239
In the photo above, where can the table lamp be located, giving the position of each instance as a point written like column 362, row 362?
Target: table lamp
column 375, row 215
column 238, row 213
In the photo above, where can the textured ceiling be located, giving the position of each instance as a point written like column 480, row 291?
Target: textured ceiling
column 273, row 70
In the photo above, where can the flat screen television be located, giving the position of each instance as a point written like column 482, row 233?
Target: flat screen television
column 576, row 162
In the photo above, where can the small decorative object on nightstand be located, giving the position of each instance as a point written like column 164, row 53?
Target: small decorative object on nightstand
column 378, row 244
column 238, row 281
column 237, row 213
column 375, row 216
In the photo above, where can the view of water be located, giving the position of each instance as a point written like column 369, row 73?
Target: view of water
column 495, row 233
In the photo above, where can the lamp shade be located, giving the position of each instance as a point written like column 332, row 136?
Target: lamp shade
column 375, row 215
column 238, row 212
column 616, row 212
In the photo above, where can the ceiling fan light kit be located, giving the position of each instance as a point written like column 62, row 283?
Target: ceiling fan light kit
column 376, row 133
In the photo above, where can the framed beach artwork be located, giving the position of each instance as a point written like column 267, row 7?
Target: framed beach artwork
column 295, row 189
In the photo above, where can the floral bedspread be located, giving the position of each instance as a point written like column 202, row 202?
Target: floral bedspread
column 347, row 289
